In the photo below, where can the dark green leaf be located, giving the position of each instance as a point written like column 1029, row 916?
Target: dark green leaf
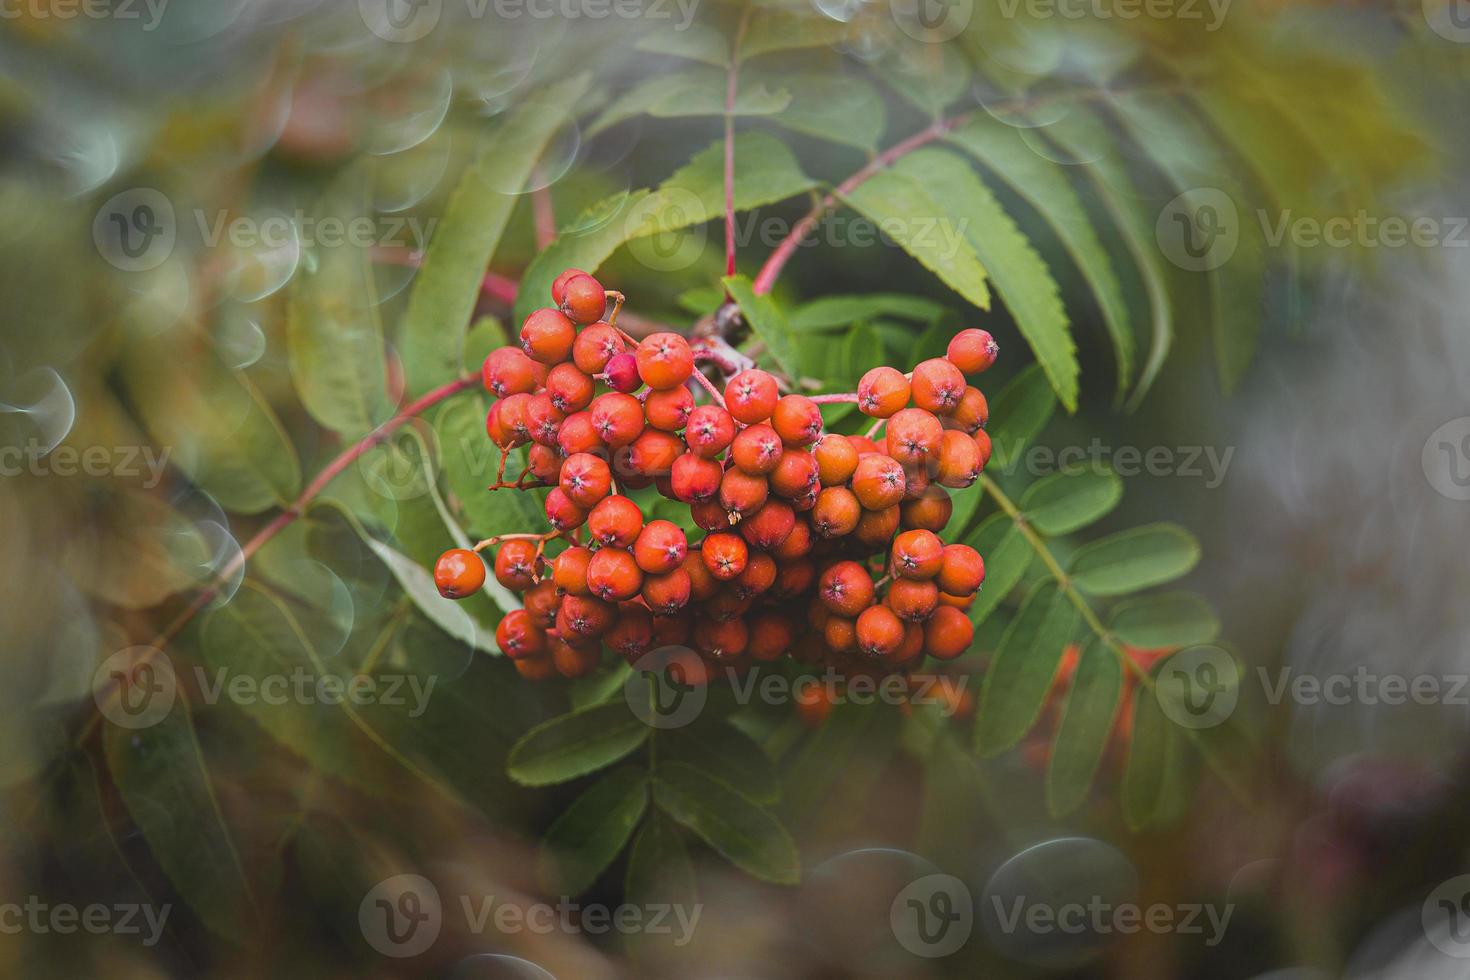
column 1134, row 559
column 590, row 833
column 1018, row 414
column 840, row 312
column 830, row 105
column 738, row 828
column 1007, row 555
column 1145, row 780
column 767, row 322
column 1174, row 619
column 1021, row 674
column 720, row 750
column 1085, row 727
column 574, row 745
column 1066, row 502
column 659, row 866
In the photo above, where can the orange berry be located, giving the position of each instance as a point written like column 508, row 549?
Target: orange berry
column 756, row 449
column 660, row 547
column 845, row 588
column 962, row 570
column 541, row 601
column 771, row 634
column 632, row 635
column 724, row 554
column 561, row 512
column 912, row 599
column 575, row 661
column 666, row 594
column 759, row 575
column 751, row 396
column 617, row 417
column 795, row 544
column 938, row 386
column 796, row 474
column 547, row 336
column 948, row 633
column 836, row 458
column 540, row 668
column 615, row 522
column 972, row 413
column 559, row 285
column 917, row 554
column 840, row 632
column 585, row 479
column 569, row 570
column 653, row 453
column 913, row 436
column 694, row 478
column 595, row 346
column 929, row 511
column 583, row 299
column 721, row 641
column 508, row 371
column 515, row 565
column 459, row 573
column 972, row 350
column 665, row 361
column 770, row 525
column 583, row 618
column 794, row 577
column 518, row 636
column 613, row 575
column 543, row 420
column 958, row 463
column 876, row 528
column 669, row 410
column 880, row 632
column 797, row 419
column 837, row 512
column 568, row 388
column 577, row 435
column 741, row 493
column 878, row 482
column 882, row 391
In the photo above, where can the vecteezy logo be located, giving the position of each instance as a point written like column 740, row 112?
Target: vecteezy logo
column 1446, row 917
column 135, row 230
column 666, row 230
column 400, row 21
column 933, row 916
column 401, row 916
column 1198, row 230
column 668, row 687
column 1450, row 19
column 1198, row 687
column 135, row 688
column 934, row 21
column 1446, row 459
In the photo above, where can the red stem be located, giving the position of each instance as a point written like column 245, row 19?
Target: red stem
column 845, row 396
column 545, row 215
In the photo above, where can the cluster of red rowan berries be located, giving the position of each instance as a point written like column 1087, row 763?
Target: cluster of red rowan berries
column 815, row 544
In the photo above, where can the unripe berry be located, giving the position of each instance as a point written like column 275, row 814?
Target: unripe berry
column 948, row 633
column 913, row 436
column 508, row 371
column 756, row 449
column 837, row 512
column 721, row 641
column 568, row 388
column 962, row 571
column 561, row 512
column 710, row 431
column 751, row 396
column 613, row 575
column 702, row 582
column 972, row 350
column 559, row 285
column 515, row 565
column 938, row 386
column 569, row 570
column 769, row 526
column 665, row 361
column 517, row 636
column 958, row 464
column 913, row 600
column 615, row 522
column 879, row 632
column 595, row 347
column 669, row 410
column 695, row 478
column 845, row 588
column 917, row 554
column 459, row 573
column 797, row 419
column 930, row 511
column 577, row 435
column 836, row 457
column 724, row 554
column 547, row 336
column 618, row 418
column 795, row 473
column 632, row 634
column 583, row 618
column 666, row 594
column 575, row 661
column 972, row 413
column 878, row 482
column 882, row 391
column 660, row 547
column 622, row 373
column 741, row 493
column 876, row 528
column 653, row 453
column 583, row 299
column 771, row 634
column 759, row 575
column 585, row 479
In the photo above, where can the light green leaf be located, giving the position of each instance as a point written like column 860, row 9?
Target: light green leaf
column 1045, row 185
column 773, row 30
column 1021, row 674
column 431, row 335
column 840, row 312
column 469, row 461
column 1066, row 502
column 767, row 322
column 1174, row 619
column 333, row 335
column 1085, row 727
column 1018, row 414
column 1151, row 752
column 743, row 832
column 574, row 745
column 590, row 833
column 695, row 92
column 418, row 582
column 1018, row 272
column 830, row 105
column 698, row 42
column 931, row 76
column 1007, row 555
column 1135, row 559
column 917, row 221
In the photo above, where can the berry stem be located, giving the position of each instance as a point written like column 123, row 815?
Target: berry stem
column 612, row 320
column 845, row 396
column 877, row 428
column 518, row 536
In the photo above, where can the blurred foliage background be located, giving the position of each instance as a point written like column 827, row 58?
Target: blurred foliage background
column 213, row 221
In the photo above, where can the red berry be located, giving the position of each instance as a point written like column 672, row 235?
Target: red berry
column 876, row 528
column 632, row 634
column 878, row 482
column 741, row 493
column 917, row 554
column 710, row 431
column 882, row 391
column 721, row 641
column 583, row 299
column 622, row 373
column 836, row 513
column 971, row 413
column 798, row 420
column 559, row 285
column 515, row 565
column 880, row 632
column 759, row 575
column 962, row 571
column 751, row 395
column 845, row 588
column 561, row 512
column 929, row 511
column 913, row 600
column 959, row 462
column 756, row 449
column 585, row 479
column 724, row 554
column 653, row 453
column 618, row 418
column 972, row 350
column 615, row 522
column 459, row 573
column 569, row 570
column 771, row 634
column 948, row 633
column 582, row 618
column 669, row 410
column 913, row 436
column 613, row 575
column 595, row 347
column 796, row 473
column 665, row 361
column 666, row 594
column 569, row 389
column 541, row 603
column 836, row 457
column 508, row 371
column 547, row 336
column 769, row 526
column 660, row 547
column 695, row 479
column 938, row 386
column 543, row 420
column 518, row 636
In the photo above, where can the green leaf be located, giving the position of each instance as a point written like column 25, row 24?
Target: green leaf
column 918, row 222
column 694, row 92
column 1018, row 414
column 721, row 750
column 162, row 776
column 698, row 42
column 743, row 832
column 1007, row 555
column 1085, row 727
column 953, row 810
column 1135, row 559
column 589, row 834
column 1045, row 185
column 840, row 312
column 1021, row 674
column 830, row 105
column 574, row 745
column 140, row 550
column 931, row 76
column 659, row 866
column 1174, row 619
column 469, row 461
column 829, row 777
column 1066, row 502
column 1145, row 780
column 418, row 582
column 431, row 335
column 767, row 322
column 222, row 433
column 601, row 686
column 773, row 30
column 1018, row 272
column 333, row 335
